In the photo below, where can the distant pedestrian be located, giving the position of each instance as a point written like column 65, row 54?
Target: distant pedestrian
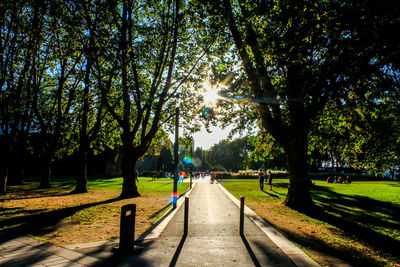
column 270, row 180
column 261, row 178
column 154, row 175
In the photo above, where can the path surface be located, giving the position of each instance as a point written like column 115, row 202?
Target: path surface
column 26, row 251
column 213, row 238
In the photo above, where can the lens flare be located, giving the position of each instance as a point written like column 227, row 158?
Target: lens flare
column 187, row 160
column 174, row 197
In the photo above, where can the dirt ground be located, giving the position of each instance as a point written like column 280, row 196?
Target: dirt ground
column 316, row 238
column 72, row 219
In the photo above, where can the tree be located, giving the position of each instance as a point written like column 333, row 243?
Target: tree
column 89, row 16
column 360, row 135
column 151, row 55
column 56, row 86
column 165, row 161
column 267, row 152
column 296, row 55
column 18, row 46
column 230, row 155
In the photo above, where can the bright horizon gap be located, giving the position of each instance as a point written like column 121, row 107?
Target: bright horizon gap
column 206, row 140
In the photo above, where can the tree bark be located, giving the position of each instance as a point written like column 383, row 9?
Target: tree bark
column 298, row 196
column 3, row 180
column 46, row 173
column 81, row 178
column 16, row 166
column 4, row 164
column 128, row 165
column 3, row 174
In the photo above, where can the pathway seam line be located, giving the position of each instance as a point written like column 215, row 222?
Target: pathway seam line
column 293, row 252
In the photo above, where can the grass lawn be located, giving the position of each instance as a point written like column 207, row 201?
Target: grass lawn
column 358, row 225
column 58, row 217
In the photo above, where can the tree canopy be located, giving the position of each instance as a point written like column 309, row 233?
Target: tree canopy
column 298, row 55
column 313, row 75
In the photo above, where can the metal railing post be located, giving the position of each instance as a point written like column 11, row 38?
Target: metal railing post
column 186, row 217
column 241, row 219
column 127, row 228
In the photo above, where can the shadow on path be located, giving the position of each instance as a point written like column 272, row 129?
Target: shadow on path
column 250, row 251
column 174, row 259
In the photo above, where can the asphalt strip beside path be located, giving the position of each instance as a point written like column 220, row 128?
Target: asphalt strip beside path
column 294, row 253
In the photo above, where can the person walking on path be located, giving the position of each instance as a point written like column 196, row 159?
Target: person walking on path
column 270, row 180
column 261, row 179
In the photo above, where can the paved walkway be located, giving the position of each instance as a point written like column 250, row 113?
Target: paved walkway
column 213, row 240
column 26, row 251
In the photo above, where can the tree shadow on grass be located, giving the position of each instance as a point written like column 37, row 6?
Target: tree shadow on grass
column 281, row 185
column 45, row 222
column 359, row 217
column 157, row 213
column 164, row 184
column 34, row 191
column 271, row 194
column 15, row 211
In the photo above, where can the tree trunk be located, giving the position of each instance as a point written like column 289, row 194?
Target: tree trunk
column 128, row 165
column 298, row 196
column 81, row 178
column 46, row 173
column 4, row 164
column 3, row 178
column 16, row 166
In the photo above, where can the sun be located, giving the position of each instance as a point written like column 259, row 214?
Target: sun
column 210, row 94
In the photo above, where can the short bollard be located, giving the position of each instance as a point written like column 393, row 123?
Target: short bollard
column 127, row 228
column 186, row 217
column 241, row 219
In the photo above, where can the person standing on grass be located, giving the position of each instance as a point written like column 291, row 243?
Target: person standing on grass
column 261, row 178
column 270, row 180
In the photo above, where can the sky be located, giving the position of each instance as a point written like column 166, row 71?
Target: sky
column 206, row 140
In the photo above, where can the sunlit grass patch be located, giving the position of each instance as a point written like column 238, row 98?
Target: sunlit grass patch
column 61, row 218
column 358, row 223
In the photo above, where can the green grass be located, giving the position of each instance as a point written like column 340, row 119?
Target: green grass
column 145, row 184
column 377, row 190
column 367, row 212
column 372, row 205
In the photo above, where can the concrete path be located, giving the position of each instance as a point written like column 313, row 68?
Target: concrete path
column 213, row 238
column 26, row 251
